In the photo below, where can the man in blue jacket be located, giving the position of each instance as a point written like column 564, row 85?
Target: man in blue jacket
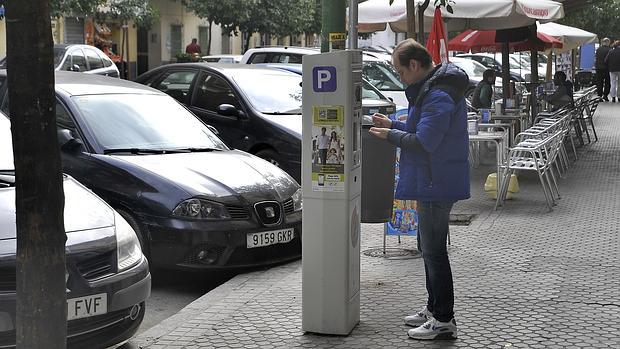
column 434, row 170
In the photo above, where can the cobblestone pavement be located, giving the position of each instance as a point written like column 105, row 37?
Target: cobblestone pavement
column 524, row 277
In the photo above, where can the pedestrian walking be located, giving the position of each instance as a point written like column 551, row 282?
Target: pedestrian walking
column 434, row 170
column 602, row 71
column 613, row 63
column 193, row 47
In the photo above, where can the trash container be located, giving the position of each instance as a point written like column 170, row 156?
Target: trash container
column 378, row 159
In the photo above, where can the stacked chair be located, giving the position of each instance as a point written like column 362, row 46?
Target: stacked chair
column 541, row 148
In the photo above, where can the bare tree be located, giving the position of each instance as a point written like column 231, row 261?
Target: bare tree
column 41, row 285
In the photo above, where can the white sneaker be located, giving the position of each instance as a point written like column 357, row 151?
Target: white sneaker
column 433, row 329
column 418, row 319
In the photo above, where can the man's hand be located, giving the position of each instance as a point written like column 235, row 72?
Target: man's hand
column 379, row 132
column 382, row 121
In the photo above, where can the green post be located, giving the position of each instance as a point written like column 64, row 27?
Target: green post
column 333, row 20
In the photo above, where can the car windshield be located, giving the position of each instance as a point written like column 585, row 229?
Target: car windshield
column 6, row 147
column 471, row 67
column 142, row 121
column 59, row 52
column 383, row 76
column 368, row 92
column 271, row 92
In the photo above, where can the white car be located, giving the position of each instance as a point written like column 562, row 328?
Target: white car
column 280, row 54
column 221, row 58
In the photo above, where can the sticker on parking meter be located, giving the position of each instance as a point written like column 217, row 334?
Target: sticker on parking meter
column 328, row 148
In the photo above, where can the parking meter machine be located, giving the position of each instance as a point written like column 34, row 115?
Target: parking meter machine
column 331, row 181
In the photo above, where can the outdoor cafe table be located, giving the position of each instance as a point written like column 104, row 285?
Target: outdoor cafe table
column 500, row 138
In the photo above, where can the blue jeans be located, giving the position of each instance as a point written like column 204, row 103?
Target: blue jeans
column 433, row 220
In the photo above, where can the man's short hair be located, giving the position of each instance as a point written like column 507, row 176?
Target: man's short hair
column 606, row 41
column 488, row 74
column 194, row 39
column 410, row 49
column 560, row 75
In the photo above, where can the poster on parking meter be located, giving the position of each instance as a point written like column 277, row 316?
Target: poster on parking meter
column 328, row 148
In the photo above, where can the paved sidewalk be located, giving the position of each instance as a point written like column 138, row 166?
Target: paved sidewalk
column 524, row 277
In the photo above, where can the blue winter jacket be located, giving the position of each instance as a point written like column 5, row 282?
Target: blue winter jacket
column 434, row 141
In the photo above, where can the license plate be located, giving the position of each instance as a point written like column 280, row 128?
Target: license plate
column 267, row 238
column 87, row 306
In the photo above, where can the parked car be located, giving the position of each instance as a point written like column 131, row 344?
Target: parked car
column 475, row 71
column 279, row 54
column 108, row 278
column 193, row 202
column 384, row 77
column 373, row 101
column 221, row 59
column 495, row 62
column 80, row 58
column 255, row 109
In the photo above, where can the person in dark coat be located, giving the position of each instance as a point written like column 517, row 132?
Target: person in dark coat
column 613, row 63
column 602, row 72
column 482, row 96
column 434, row 170
column 563, row 94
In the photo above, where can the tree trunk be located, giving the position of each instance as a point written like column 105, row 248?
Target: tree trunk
column 209, row 39
column 40, row 265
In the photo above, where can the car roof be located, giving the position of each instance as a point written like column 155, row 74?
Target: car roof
column 226, row 68
column 292, row 49
column 75, row 84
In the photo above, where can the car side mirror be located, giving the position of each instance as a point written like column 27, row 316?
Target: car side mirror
column 75, row 68
column 67, row 142
column 228, row 110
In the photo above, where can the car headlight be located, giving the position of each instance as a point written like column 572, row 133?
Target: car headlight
column 128, row 249
column 201, row 209
column 297, row 202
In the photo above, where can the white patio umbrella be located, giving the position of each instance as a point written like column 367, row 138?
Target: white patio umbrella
column 474, row 14
column 571, row 37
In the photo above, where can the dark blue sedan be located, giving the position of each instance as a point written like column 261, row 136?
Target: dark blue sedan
column 193, row 202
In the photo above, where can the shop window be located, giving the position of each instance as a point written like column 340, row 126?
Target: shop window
column 94, row 61
column 214, row 91
column 176, row 39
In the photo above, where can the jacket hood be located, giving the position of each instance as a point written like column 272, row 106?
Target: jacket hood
column 446, row 77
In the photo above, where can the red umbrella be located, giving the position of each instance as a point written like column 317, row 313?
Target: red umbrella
column 484, row 41
column 437, row 39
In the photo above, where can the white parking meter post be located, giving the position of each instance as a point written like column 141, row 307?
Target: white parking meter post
column 331, row 181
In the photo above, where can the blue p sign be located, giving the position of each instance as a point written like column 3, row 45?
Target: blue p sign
column 324, row 79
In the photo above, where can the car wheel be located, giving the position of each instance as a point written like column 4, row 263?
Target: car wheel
column 469, row 94
column 271, row 156
column 144, row 245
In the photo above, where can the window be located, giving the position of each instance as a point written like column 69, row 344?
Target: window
column 176, row 44
column 258, row 58
column 203, row 38
column 107, row 62
column 212, row 92
column 64, row 120
column 94, row 61
column 77, row 58
column 177, row 84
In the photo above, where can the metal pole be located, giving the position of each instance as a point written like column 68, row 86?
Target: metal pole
column 411, row 19
column 353, row 24
column 421, row 10
column 333, row 17
column 505, row 73
column 534, row 84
